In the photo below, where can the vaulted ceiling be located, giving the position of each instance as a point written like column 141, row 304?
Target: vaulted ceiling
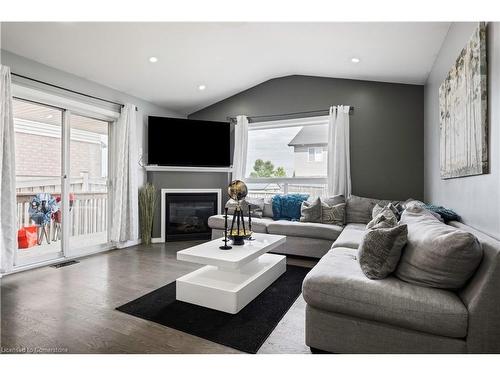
column 226, row 58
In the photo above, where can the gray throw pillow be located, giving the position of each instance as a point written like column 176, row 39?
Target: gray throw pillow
column 310, row 212
column 334, row 215
column 380, row 250
column 380, row 221
column 389, row 209
column 437, row 255
column 359, row 209
column 268, row 207
column 256, row 206
column 383, row 215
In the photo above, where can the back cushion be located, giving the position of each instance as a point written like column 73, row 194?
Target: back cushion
column 359, row 209
column 436, row 254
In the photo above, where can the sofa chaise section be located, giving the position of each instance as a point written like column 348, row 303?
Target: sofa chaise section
column 349, row 313
column 337, row 285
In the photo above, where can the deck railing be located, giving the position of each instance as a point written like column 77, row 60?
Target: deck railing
column 89, row 213
column 314, row 186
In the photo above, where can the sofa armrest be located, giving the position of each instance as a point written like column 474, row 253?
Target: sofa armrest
column 481, row 296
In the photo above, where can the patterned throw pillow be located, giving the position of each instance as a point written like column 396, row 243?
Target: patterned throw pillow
column 310, row 212
column 380, row 250
column 334, row 215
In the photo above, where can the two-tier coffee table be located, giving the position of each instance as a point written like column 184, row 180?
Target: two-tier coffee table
column 231, row 278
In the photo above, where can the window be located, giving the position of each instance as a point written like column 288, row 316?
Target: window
column 315, row 154
column 287, row 156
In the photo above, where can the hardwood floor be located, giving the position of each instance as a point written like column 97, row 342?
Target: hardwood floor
column 72, row 309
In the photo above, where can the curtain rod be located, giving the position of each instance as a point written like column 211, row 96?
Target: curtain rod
column 233, row 118
column 69, row 90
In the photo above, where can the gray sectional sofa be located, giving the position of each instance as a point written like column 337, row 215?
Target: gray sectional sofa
column 347, row 312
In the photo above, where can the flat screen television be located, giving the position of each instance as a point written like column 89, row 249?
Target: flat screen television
column 188, row 143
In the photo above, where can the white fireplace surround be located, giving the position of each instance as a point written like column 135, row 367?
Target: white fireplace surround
column 163, row 197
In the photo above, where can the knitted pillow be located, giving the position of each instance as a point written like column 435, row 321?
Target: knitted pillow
column 287, row 206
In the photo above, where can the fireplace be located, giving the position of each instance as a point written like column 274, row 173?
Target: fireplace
column 186, row 213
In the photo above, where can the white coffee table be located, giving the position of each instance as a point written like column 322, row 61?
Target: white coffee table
column 231, row 278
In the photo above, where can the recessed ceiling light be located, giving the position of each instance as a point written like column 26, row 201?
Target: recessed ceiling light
column 153, row 59
column 202, row 87
column 49, row 116
column 355, row 60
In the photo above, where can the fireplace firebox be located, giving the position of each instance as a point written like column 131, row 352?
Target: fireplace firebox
column 187, row 215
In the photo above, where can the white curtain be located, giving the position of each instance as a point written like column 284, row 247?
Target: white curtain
column 240, row 147
column 8, row 219
column 125, row 218
column 339, row 164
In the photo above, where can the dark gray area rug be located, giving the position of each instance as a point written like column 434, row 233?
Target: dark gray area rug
column 245, row 331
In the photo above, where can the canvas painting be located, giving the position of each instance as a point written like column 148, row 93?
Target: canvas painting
column 463, row 111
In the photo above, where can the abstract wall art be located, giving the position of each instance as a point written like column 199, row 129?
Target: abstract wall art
column 463, row 107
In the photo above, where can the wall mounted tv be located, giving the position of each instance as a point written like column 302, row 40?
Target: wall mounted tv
column 188, row 143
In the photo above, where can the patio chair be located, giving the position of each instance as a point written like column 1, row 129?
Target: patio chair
column 42, row 207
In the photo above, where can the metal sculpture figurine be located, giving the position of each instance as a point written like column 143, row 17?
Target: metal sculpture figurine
column 225, row 246
column 237, row 191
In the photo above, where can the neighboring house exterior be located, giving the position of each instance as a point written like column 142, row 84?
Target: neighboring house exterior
column 38, row 155
column 310, row 151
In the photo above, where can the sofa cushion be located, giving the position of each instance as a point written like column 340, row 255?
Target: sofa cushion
column 258, row 224
column 437, row 255
column 359, row 209
column 333, row 200
column 308, row 230
column 351, row 236
column 380, row 251
column 337, row 284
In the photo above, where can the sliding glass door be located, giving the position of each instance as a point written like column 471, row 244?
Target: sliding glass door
column 62, row 162
column 88, row 180
column 38, row 137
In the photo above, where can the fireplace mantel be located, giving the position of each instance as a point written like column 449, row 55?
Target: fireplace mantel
column 159, row 168
column 164, row 192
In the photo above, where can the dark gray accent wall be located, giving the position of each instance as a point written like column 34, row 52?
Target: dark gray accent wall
column 476, row 198
column 386, row 136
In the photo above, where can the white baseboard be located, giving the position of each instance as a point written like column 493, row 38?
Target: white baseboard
column 121, row 245
column 157, row 240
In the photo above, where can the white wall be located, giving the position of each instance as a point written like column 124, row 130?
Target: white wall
column 476, row 198
column 33, row 69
